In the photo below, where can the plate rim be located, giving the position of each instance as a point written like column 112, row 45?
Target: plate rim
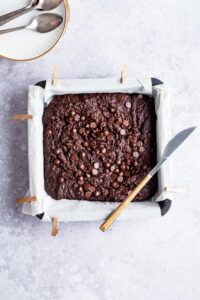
column 66, row 23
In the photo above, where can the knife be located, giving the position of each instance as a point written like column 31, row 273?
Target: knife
column 172, row 145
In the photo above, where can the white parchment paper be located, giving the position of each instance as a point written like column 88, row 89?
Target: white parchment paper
column 76, row 210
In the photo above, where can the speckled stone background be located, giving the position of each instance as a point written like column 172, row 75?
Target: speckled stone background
column 156, row 259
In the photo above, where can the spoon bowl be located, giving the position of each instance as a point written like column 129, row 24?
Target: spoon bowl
column 46, row 4
column 46, row 22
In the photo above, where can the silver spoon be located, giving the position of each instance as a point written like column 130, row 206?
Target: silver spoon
column 43, row 5
column 42, row 24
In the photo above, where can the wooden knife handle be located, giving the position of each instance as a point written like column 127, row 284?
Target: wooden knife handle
column 113, row 216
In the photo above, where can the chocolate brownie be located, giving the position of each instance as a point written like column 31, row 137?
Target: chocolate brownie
column 98, row 147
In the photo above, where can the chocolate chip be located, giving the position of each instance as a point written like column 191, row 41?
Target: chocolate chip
column 105, row 192
column 83, row 118
column 127, row 155
column 118, row 162
column 57, row 162
column 49, row 132
column 80, row 181
column 110, row 137
column 103, row 150
column 128, row 162
column 115, row 184
column 95, row 172
column 74, row 130
column 78, row 173
column 72, row 113
column 111, row 120
column 92, row 189
column 139, row 143
column 113, row 109
column 123, row 167
column 87, row 186
column 77, row 118
column 61, row 179
column 120, row 120
column 112, row 168
column 141, row 149
column 116, row 170
column 80, row 189
column 63, row 186
column 94, row 116
column 85, row 144
column 82, row 166
column 82, row 130
column 58, row 151
column 88, row 175
column 88, row 195
column 106, row 132
column 120, row 179
column 127, row 174
column 113, row 176
column 122, row 132
column 126, row 123
column 107, row 165
column 74, row 157
column 107, row 171
column 96, row 165
column 93, row 125
column 77, row 143
column 93, row 144
column 136, row 154
column 128, row 104
column 83, row 154
column 97, row 194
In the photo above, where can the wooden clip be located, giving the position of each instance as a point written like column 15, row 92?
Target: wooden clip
column 26, row 199
column 22, row 117
column 124, row 74
column 55, row 75
column 174, row 190
column 55, row 226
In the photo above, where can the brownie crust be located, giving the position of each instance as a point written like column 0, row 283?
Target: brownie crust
column 98, row 147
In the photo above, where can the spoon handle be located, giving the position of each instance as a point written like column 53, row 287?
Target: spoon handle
column 15, row 14
column 12, row 29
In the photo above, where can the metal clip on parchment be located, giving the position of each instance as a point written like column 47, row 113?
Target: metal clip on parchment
column 55, row 75
column 55, row 226
column 124, row 74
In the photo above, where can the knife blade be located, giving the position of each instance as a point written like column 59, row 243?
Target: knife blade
column 171, row 146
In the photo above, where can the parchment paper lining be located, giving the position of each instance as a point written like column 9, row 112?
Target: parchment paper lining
column 75, row 210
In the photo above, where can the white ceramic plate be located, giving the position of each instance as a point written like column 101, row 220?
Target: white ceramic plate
column 25, row 44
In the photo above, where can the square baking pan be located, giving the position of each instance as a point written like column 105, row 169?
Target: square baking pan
column 45, row 207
